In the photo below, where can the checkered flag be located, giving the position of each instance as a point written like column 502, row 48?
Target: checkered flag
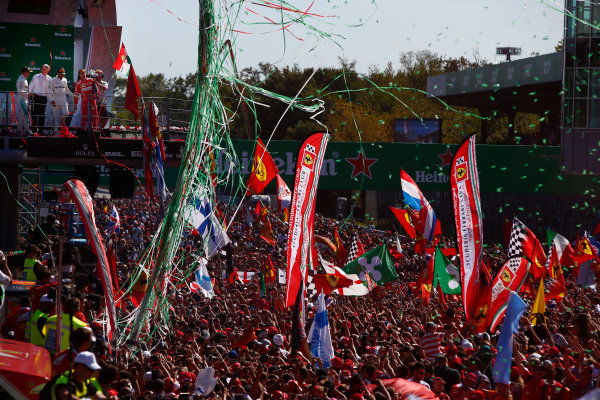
column 517, row 236
column 356, row 249
column 311, row 288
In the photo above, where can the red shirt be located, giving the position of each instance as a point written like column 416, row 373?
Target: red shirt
column 535, row 389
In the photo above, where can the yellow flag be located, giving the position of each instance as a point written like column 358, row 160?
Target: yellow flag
column 539, row 306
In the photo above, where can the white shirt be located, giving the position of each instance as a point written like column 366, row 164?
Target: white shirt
column 59, row 88
column 22, row 86
column 40, row 85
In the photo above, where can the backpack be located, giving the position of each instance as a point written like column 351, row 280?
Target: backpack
column 46, row 392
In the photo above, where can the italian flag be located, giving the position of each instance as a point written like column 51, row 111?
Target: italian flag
column 122, row 62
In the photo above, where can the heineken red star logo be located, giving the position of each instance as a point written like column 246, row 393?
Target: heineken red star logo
column 361, row 164
column 32, row 40
column 32, row 63
column 62, row 53
column 446, row 157
column 2, row 50
column 2, row 73
column 63, row 29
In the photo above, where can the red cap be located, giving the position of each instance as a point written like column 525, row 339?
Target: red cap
column 179, row 334
column 337, row 362
column 272, row 331
column 203, row 322
column 357, row 396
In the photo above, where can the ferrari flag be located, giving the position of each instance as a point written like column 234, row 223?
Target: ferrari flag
column 302, row 213
column 263, row 169
column 85, row 206
column 511, row 277
column 464, row 187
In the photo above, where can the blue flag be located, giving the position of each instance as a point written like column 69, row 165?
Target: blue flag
column 202, row 279
column 514, row 311
column 319, row 336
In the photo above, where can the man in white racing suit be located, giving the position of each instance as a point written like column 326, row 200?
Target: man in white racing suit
column 60, row 105
column 23, row 100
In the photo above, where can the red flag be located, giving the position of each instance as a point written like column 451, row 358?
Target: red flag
column 425, row 281
column 596, row 230
column 266, row 233
column 511, row 277
column 85, row 206
column 524, row 243
column 402, row 217
column 464, row 188
column 327, row 283
column 341, row 254
column 263, row 169
column 155, row 131
column 553, row 289
column 270, row 273
column 448, row 252
column 133, row 94
column 247, row 337
column 284, row 195
column 147, row 151
column 302, row 212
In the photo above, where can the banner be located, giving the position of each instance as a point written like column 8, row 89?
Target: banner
column 464, row 187
column 511, row 277
column 302, row 211
column 32, row 46
column 85, row 206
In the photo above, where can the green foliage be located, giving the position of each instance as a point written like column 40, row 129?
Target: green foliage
column 356, row 105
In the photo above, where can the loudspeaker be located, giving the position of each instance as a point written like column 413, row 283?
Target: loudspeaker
column 122, row 183
column 90, row 176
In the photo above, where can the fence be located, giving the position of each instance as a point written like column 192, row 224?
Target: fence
column 173, row 115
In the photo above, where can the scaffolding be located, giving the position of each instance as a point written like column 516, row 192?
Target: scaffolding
column 30, row 197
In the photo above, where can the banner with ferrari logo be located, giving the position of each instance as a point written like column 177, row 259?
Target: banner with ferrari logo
column 464, row 187
column 263, row 169
column 302, row 212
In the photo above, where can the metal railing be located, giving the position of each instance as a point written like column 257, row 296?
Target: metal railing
column 173, row 116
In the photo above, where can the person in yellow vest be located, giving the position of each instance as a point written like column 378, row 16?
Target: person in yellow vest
column 38, row 319
column 84, row 367
column 70, row 309
column 32, row 253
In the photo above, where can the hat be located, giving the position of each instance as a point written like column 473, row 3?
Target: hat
column 278, row 340
column 438, row 379
column 429, row 325
column 337, row 362
column 471, row 377
column 88, row 359
column 466, row 344
column 553, row 351
column 534, row 355
column 46, row 299
column 61, row 70
column 232, row 354
column 25, row 69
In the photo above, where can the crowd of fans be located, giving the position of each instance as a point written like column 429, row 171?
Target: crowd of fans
column 246, row 338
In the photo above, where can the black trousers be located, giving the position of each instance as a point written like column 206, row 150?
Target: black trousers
column 38, row 111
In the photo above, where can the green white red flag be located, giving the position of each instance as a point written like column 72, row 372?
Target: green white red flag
column 302, row 213
column 464, row 187
column 122, row 62
column 445, row 274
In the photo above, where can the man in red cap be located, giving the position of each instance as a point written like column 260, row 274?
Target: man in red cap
column 466, row 390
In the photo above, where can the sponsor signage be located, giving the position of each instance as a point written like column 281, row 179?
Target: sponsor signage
column 368, row 166
column 32, row 46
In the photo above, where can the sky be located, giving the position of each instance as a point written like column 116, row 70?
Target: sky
column 162, row 36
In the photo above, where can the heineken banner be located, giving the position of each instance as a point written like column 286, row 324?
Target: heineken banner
column 368, row 166
column 33, row 46
column 376, row 166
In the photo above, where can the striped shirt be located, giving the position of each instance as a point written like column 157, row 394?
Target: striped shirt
column 431, row 345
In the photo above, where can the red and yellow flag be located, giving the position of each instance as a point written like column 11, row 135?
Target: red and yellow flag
column 263, row 169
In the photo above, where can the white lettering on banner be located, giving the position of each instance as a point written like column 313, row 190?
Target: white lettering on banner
column 287, row 165
column 62, row 58
column 300, row 197
column 466, row 231
column 62, row 34
column 424, row 176
column 33, row 45
column 6, row 55
column 3, row 78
